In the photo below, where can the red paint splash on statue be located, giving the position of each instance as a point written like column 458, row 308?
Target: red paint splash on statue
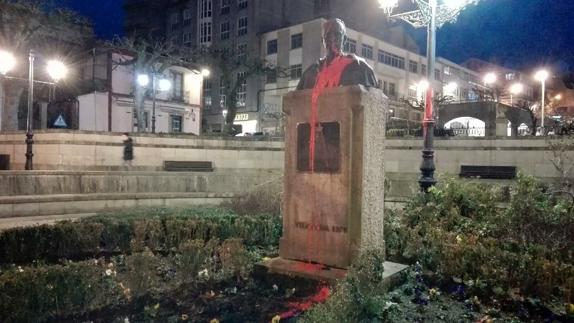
column 329, row 76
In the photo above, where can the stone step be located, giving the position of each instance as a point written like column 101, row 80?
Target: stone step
column 59, row 204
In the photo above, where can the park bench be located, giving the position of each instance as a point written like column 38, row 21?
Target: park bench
column 188, row 166
column 488, row 172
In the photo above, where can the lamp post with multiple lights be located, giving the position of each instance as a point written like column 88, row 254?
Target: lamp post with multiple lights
column 162, row 84
column 432, row 15
column 56, row 70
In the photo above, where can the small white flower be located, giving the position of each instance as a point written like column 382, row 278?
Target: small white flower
column 20, row 269
column 126, row 320
column 275, row 287
column 108, row 272
column 203, row 274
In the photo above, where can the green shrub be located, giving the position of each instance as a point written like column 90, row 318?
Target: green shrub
column 461, row 230
column 155, row 229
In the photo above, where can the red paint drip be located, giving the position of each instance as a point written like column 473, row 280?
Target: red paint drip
column 297, row 308
column 329, row 76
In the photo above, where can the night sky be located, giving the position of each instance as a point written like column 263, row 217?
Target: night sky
column 515, row 33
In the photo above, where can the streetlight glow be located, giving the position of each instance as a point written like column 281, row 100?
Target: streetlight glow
column 489, row 78
column 164, row 85
column 541, row 75
column 7, row 62
column 558, row 97
column 57, row 70
column 455, row 4
column 205, row 72
column 516, row 88
column 423, row 85
column 388, row 5
column 143, row 80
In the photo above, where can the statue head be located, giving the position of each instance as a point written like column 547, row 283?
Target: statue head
column 334, row 34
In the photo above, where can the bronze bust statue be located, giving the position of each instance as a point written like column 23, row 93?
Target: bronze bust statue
column 337, row 68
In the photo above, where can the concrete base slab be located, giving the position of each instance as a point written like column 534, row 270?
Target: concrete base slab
column 392, row 274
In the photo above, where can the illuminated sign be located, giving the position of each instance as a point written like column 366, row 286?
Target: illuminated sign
column 242, row 117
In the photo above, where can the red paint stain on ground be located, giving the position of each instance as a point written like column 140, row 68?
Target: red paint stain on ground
column 300, row 307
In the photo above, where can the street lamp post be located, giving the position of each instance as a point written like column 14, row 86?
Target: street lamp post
column 541, row 76
column 29, row 131
column 515, row 89
column 432, row 16
column 57, row 70
column 164, row 85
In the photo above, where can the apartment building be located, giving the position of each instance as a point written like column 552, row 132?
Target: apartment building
column 398, row 70
column 237, row 25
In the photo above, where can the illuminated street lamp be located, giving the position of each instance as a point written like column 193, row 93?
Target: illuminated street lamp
column 489, row 78
column 558, row 97
column 164, row 86
column 432, row 15
column 515, row 89
column 7, row 62
column 542, row 76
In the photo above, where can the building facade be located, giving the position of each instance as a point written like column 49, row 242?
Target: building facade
column 112, row 107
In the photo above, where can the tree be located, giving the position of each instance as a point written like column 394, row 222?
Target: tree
column 234, row 68
column 38, row 25
column 145, row 58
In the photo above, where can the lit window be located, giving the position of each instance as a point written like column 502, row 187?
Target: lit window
column 296, row 41
column 367, row 51
column 225, row 30
column 242, row 26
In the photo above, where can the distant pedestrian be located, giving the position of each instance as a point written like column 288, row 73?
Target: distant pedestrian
column 128, row 150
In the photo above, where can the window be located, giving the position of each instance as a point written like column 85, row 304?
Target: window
column 271, row 76
column 187, row 39
column 242, row 26
column 413, row 67
column 146, row 119
column 241, row 51
column 207, row 93
column 205, row 32
column 222, row 89
column 391, row 60
column 242, row 4
column 272, row 47
column 225, row 7
column 423, row 69
column 225, row 30
column 412, row 92
column 350, row 46
column 175, row 123
column 446, row 70
column 205, row 9
column 187, row 15
column 509, row 76
column 437, row 75
column 367, row 51
column 296, row 71
column 175, row 40
column 242, row 91
column 174, row 21
column 296, row 41
column 177, row 85
column 392, row 89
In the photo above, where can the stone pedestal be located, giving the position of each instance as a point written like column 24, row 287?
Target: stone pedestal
column 332, row 213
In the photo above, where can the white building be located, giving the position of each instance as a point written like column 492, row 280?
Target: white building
column 178, row 110
column 398, row 70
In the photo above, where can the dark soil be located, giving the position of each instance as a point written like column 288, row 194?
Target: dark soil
column 258, row 299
